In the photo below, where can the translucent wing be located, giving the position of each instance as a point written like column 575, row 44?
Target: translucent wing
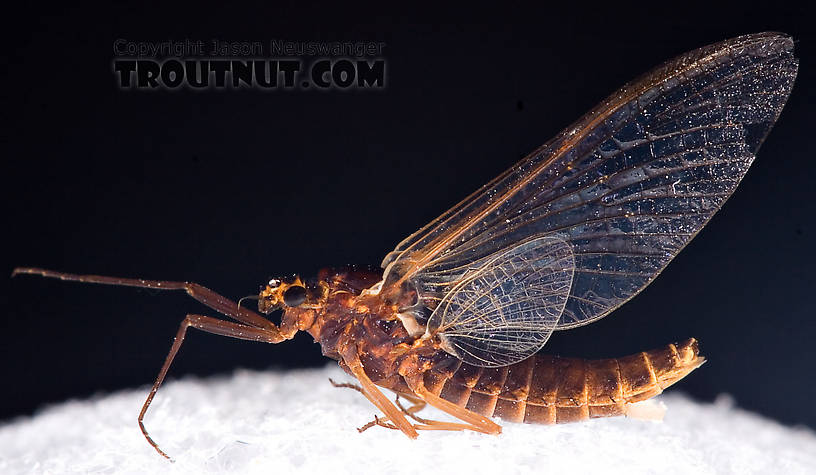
column 627, row 186
column 506, row 310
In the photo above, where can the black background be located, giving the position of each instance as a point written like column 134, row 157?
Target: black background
column 228, row 188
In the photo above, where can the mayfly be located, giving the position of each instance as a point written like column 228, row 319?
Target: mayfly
column 457, row 315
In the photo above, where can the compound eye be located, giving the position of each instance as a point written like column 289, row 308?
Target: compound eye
column 294, row 296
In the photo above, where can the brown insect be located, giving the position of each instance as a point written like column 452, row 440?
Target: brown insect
column 561, row 239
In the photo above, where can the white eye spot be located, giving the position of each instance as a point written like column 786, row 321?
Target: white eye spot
column 274, row 283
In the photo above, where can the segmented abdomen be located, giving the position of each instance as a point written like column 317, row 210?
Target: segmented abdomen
column 550, row 389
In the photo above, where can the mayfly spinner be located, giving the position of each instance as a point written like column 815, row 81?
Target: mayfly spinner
column 561, row 239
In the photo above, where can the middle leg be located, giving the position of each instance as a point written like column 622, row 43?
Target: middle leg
column 370, row 391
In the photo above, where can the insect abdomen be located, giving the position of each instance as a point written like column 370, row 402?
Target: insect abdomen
column 551, row 389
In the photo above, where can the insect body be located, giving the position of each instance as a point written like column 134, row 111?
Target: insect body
column 542, row 389
column 563, row 238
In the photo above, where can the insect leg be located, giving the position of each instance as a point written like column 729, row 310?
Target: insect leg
column 440, row 425
column 384, row 422
column 424, row 424
column 474, row 421
column 202, row 294
column 346, row 385
column 209, row 325
column 416, row 406
column 377, row 422
column 370, row 390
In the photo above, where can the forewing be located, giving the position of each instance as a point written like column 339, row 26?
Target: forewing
column 506, row 310
column 627, row 186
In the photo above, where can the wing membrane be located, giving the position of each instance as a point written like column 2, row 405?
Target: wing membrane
column 627, row 186
column 506, row 310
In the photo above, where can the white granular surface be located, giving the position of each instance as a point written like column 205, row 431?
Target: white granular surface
column 296, row 422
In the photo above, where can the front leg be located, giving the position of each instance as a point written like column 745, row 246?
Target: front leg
column 209, row 325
